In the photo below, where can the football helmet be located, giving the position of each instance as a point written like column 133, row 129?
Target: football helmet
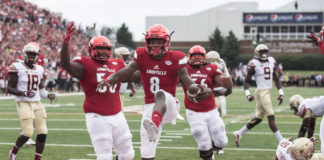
column 197, row 60
column 295, row 101
column 123, row 53
column 157, row 31
column 261, row 52
column 100, row 48
column 31, row 47
column 213, row 56
column 302, row 149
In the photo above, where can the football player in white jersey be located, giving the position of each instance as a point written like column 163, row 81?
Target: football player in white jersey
column 263, row 68
column 27, row 84
column 214, row 58
column 299, row 149
column 306, row 109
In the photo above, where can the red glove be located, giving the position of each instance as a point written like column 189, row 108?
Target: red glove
column 280, row 99
column 313, row 38
column 29, row 94
column 69, row 32
column 250, row 98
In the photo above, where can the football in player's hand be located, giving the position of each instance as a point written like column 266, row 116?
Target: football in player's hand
column 193, row 90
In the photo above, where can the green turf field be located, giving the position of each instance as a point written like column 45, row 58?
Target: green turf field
column 68, row 137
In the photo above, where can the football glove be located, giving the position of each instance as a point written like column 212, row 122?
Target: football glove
column 69, row 32
column 29, row 93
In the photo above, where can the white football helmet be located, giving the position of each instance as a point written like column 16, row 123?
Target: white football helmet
column 317, row 156
column 213, row 56
column 302, row 149
column 122, row 51
column 295, row 101
column 265, row 51
column 30, row 47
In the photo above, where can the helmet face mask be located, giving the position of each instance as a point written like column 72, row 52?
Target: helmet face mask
column 100, row 48
column 197, row 55
column 262, row 52
column 157, row 40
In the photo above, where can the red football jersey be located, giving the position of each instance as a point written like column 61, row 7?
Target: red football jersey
column 106, row 101
column 159, row 74
column 204, row 76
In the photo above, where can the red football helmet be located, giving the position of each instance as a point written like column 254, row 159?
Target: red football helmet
column 157, row 31
column 197, row 60
column 100, row 48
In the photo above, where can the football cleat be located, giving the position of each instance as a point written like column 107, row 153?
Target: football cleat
column 220, row 151
column 12, row 156
column 30, row 142
column 151, row 129
column 179, row 117
column 237, row 137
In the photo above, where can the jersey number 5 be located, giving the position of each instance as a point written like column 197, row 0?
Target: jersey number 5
column 112, row 89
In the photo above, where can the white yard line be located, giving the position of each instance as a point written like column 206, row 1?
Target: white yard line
column 160, row 147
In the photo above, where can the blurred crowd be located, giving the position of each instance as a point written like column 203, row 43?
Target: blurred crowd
column 22, row 22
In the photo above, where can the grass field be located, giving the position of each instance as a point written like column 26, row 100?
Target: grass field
column 68, row 137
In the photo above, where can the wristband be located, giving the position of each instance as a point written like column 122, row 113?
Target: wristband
column 247, row 92
column 281, row 91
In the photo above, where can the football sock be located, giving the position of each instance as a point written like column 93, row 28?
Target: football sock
column 278, row 135
column 14, row 149
column 38, row 156
column 243, row 130
column 156, row 118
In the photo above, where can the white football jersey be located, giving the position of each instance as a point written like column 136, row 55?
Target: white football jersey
column 283, row 150
column 263, row 72
column 315, row 104
column 28, row 79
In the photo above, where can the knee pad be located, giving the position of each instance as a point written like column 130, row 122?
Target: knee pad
column 202, row 138
column 41, row 138
column 27, row 127
column 206, row 155
column 253, row 122
column 105, row 156
column 103, row 147
column 125, row 150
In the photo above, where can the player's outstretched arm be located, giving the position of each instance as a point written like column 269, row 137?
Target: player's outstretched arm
column 75, row 69
column 279, row 86
column 246, row 84
column 303, row 127
column 120, row 76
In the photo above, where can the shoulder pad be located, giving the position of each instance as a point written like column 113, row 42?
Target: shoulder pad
column 12, row 68
column 183, row 61
column 251, row 64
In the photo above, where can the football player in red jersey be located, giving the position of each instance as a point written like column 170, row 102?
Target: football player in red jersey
column 105, row 122
column 319, row 41
column 203, row 117
column 160, row 69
